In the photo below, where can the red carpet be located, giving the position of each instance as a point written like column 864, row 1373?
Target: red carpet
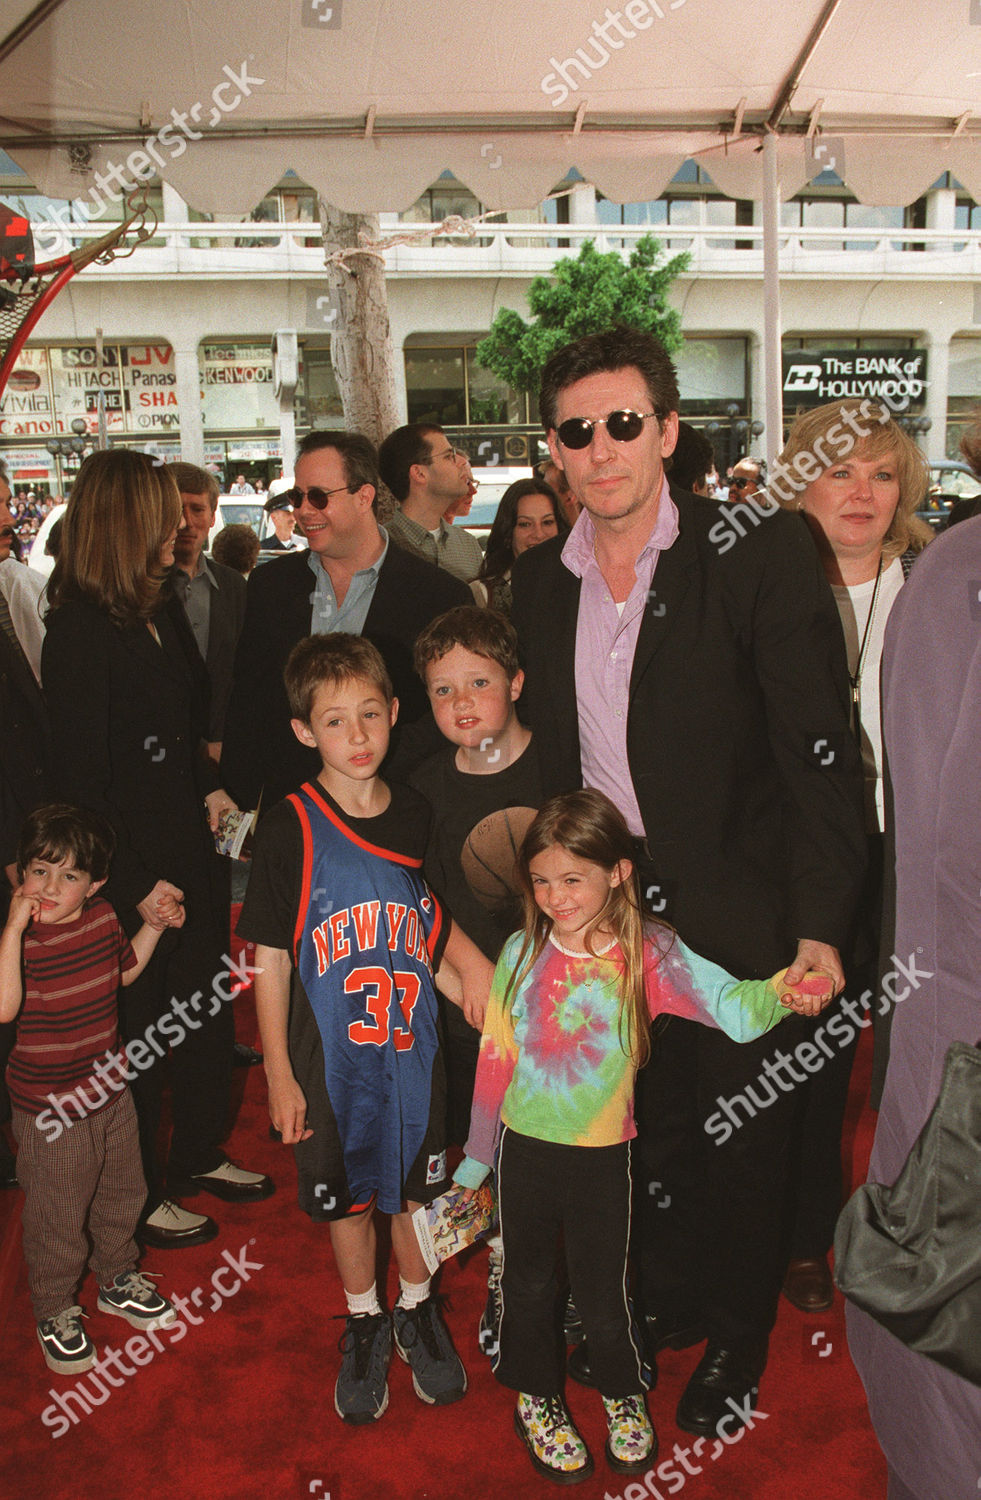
column 242, row 1405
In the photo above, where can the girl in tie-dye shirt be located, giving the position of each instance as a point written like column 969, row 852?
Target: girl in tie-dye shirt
column 567, row 1026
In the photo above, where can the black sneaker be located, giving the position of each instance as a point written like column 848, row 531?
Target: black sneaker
column 133, row 1296
column 66, row 1346
column 422, row 1340
column 361, row 1392
column 489, row 1330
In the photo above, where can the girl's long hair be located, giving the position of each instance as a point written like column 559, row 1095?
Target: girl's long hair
column 587, row 825
column 121, row 510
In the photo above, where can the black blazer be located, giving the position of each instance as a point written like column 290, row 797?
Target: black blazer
column 746, row 774
column 128, row 719
column 24, row 748
column 260, row 752
column 224, row 629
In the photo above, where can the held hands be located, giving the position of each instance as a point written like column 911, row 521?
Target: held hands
column 217, row 803
column 820, row 957
column 163, row 906
column 808, row 996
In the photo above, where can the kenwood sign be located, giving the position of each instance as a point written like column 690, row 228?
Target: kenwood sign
column 898, row 380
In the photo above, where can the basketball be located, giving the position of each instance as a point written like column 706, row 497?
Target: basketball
column 489, row 856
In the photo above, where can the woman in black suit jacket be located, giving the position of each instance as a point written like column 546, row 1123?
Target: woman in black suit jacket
column 128, row 698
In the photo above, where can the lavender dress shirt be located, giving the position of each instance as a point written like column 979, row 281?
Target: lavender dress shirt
column 606, row 639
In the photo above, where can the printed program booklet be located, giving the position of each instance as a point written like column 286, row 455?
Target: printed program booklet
column 448, row 1225
column 234, row 834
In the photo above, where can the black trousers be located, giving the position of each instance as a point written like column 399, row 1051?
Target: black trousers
column 710, row 1205
column 180, row 982
column 549, row 1193
column 816, row 1178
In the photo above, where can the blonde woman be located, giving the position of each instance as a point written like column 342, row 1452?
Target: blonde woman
column 857, row 480
column 127, row 695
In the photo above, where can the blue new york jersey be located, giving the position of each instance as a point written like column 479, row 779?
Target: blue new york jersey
column 367, row 927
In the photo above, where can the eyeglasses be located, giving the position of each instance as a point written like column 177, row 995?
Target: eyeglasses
column 621, row 426
column 447, row 453
column 317, row 497
column 740, row 482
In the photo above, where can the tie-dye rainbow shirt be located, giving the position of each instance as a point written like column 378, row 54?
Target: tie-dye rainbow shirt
column 553, row 1066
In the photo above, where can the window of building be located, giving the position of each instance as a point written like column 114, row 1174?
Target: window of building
column 446, row 385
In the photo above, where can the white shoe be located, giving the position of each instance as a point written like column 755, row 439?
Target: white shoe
column 234, row 1184
column 170, row 1225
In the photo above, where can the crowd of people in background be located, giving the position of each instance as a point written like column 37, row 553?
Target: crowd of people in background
column 671, row 722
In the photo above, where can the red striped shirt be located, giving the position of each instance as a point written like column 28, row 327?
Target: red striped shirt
column 69, row 1019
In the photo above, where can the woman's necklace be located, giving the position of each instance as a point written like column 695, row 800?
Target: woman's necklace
column 855, row 678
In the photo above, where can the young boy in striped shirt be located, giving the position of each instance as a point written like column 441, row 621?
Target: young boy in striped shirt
column 63, row 956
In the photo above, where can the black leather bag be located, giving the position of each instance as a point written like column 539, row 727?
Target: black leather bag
column 910, row 1255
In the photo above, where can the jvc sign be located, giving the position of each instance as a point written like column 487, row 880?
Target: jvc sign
column 898, row 380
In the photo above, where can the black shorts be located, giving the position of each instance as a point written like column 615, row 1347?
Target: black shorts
column 322, row 1182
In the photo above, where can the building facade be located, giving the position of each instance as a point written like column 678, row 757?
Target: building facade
column 171, row 348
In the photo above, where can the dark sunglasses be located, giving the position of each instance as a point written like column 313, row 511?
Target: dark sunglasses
column 740, row 483
column 317, row 497
column 621, row 426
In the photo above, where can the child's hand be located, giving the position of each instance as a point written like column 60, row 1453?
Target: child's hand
column 475, row 998
column 468, row 1194
column 809, row 996
column 22, row 909
column 288, row 1110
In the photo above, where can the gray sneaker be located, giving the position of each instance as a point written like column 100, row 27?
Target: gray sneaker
column 65, row 1345
column 134, row 1297
column 422, row 1340
column 361, row 1392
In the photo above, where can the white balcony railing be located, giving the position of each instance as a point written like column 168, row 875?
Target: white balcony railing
column 246, row 251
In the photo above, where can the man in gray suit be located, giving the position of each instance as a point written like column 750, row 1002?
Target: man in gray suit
column 213, row 595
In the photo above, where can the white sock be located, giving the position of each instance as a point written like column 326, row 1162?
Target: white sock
column 412, row 1293
column 363, row 1302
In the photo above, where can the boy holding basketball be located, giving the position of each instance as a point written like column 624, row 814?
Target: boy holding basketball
column 347, row 935
column 484, row 788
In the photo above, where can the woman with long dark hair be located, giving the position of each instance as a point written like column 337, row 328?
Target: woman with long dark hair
column 127, row 695
column 529, row 513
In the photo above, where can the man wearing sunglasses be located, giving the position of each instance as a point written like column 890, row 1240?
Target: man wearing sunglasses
column 704, row 690
column 352, row 579
column 745, row 479
column 428, row 476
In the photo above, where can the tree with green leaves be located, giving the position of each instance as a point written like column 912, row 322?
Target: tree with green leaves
column 584, row 294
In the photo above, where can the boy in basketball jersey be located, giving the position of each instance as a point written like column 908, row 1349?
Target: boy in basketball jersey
column 484, row 788
column 348, row 936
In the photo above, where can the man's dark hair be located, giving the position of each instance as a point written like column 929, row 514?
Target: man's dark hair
column 400, row 450
column 58, row 832
column 237, row 546
column 615, row 349
column 357, row 455
column 692, row 459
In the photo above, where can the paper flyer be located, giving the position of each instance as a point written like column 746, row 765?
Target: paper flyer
column 447, row 1225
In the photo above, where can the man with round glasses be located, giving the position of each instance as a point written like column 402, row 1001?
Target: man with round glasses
column 350, row 578
column 428, row 476
column 703, row 688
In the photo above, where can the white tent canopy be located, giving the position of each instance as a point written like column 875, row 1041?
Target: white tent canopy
column 369, row 101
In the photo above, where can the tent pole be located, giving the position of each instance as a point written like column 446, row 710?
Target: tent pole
column 772, row 365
